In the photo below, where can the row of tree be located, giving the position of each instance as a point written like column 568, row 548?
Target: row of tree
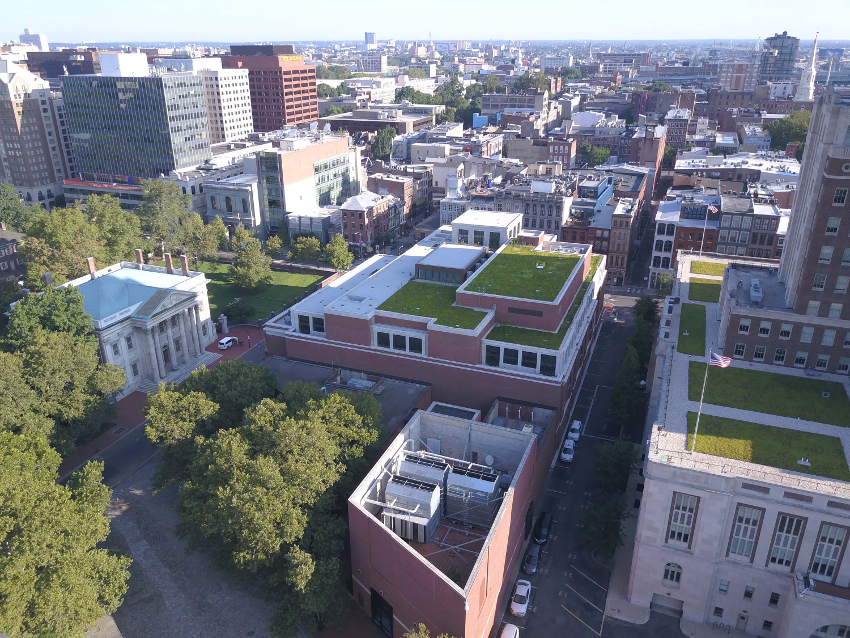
column 308, row 249
column 327, row 91
column 263, row 480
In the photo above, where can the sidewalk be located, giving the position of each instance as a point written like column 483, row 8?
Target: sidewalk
column 246, row 334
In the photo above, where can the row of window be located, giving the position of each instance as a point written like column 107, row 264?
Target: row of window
column 841, row 282
column 744, row 537
column 786, row 330
column 813, row 309
column 800, row 359
column 497, row 357
column 399, row 341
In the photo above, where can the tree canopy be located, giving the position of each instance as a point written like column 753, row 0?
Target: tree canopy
column 790, row 129
column 383, row 145
column 337, row 253
column 13, row 211
column 251, row 268
column 660, row 87
column 54, row 579
column 668, row 160
column 332, row 72
column 339, row 110
column 536, row 80
column 570, row 73
column 274, row 246
column 595, row 155
column 305, row 248
column 325, row 90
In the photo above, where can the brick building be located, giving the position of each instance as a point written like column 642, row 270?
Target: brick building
column 10, row 260
column 400, row 186
column 370, row 219
column 677, row 122
column 283, row 87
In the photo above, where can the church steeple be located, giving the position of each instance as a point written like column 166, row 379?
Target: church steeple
column 806, row 89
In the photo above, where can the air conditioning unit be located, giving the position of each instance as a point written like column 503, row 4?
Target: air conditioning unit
column 404, row 528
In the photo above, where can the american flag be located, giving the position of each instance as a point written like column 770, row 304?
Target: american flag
column 720, row 361
column 713, row 209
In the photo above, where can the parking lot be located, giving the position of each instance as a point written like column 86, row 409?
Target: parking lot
column 570, row 589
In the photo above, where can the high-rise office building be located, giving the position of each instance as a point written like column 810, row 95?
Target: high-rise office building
column 228, row 98
column 31, row 157
column 778, row 57
column 136, row 127
column 371, row 40
column 36, row 39
column 283, row 87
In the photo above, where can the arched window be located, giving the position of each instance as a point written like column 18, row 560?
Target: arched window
column 672, row 574
column 184, row 190
column 665, row 262
column 551, row 210
column 499, row 206
column 659, row 244
column 656, row 262
column 245, row 205
column 49, row 193
column 228, row 204
column 662, row 228
column 671, row 229
column 527, row 209
column 29, row 197
column 668, row 246
column 40, row 196
column 213, row 202
column 193, row 189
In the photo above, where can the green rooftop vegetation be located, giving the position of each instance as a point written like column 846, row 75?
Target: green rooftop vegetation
column 692, row 329
column 424, row 299
column 518, row 271
column 767, row 445
column 707, row 268
column 544, row 338
column 770, row 393
column 707, row 290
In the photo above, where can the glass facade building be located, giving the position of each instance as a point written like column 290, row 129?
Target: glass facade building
column 136, row 127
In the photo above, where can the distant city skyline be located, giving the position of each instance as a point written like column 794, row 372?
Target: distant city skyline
column 221, row 21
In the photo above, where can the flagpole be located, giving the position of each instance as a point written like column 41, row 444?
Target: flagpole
column 702, row 396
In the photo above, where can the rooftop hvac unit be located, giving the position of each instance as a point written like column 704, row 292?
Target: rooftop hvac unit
column 427, row 469
column 472, row 496
column 412, row 508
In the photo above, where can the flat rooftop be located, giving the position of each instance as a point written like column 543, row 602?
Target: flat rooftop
column 432, row 299
column 488, row 219
column 525, row 273
column 456, row 256
column 773, row 291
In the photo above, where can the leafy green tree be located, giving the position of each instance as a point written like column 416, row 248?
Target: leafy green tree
column 595, row 155
column 13, row 211
column 383, row 145
column 237, row 311
column 416, row 73
column 10, row 292
column 646, row 308
column 56, row 310
column 251, row 268
column 339, row 110
column 790, row 129
column 668, row 160
column 570, row 73
column 665, row 284
column 305, row 248
column 273, row 246
column 164, row 210
column 325, row 91
column 615, row 464
column 119, row 231
column 337, row 253
column 331, row 72
column 627, row 399
column 218, row 230
column 421, row 631
column 240, row 238
column 200, row 241
column 660, row 87
column 530, row 80
column 19, row 404
column 55, row 579
column 641, row 340
column 602, row 524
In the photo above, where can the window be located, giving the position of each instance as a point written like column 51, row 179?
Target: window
column 116, row 350
column 318, row 324
column 547, row 365
column 529, row 359
column 399, row 342
column 813, row 308
column 840, row 197
column 841, row 284
column 724, row 587
column 774, row 599
column 491, row 355
column 767, row 625
column 744, row 326
column 177, row 345
column 659, row 246
column 656, row 262
column 832, row 225
column 414, row 344
column 478, row 237
column 672, row 573
column 462, row 236
column 495, row 240
column 744, row 531
column 682, row 519
column 830, row 544
column 161, row 327
column 718, row 611
column 304, row 324
column 134, row 367
column 847, row 339
column 785, row 331
column 722, row 235
column 785, row 540
column 835, row 310
column 843, row 365
column 825, row 255
column 764, row 329
column 740, row 349
column 383, row 340
column 822, row 362
column 758, row 353
column 800, row 359
column 748, row 592
column 510, row 357
column 828, row 337
column 806, row 334
column 819, row 282
column 845, row 258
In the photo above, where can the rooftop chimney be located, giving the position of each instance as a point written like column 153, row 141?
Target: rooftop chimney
column 169, row 265
column 139, row 260
column 90, row 264
column 48, row 279
column 184, row 264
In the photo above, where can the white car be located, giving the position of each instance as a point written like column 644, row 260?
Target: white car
column 575, row 431
column 568, row 450
column 509, row 631
column 520, row 598
column 227, row 342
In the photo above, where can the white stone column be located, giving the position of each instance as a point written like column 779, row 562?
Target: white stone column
column 189, row 320
column 156, row 349
column 198, row 325
column 171, row 352
column 125, row 359
column 185, row 345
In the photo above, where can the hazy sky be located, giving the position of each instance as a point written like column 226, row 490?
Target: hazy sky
column 285, row 20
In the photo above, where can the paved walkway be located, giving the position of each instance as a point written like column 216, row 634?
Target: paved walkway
column 106, row 628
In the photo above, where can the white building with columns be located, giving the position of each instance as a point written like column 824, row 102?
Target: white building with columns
column 152, row 321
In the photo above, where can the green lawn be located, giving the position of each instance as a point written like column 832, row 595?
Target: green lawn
column 693, row 322
column 518, row 271
column 707, row 268
column 766, row 445
column 704, row 290
column 770, row 393
column 543, row 338
column 222, row 291
column 424, row 299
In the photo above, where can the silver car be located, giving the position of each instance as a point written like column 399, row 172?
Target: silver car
column 520, row 598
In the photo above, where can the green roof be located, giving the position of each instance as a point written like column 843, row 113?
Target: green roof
column 519, row 271
column 544, row 338
column 425, row 299
column 768, row 445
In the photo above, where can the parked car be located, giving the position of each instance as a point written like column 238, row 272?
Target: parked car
column 541, row 531
column 532, row 558
column 575, row 431
column 567, row 450
column 509, row 631
column 227, row 342
column 520, row 598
